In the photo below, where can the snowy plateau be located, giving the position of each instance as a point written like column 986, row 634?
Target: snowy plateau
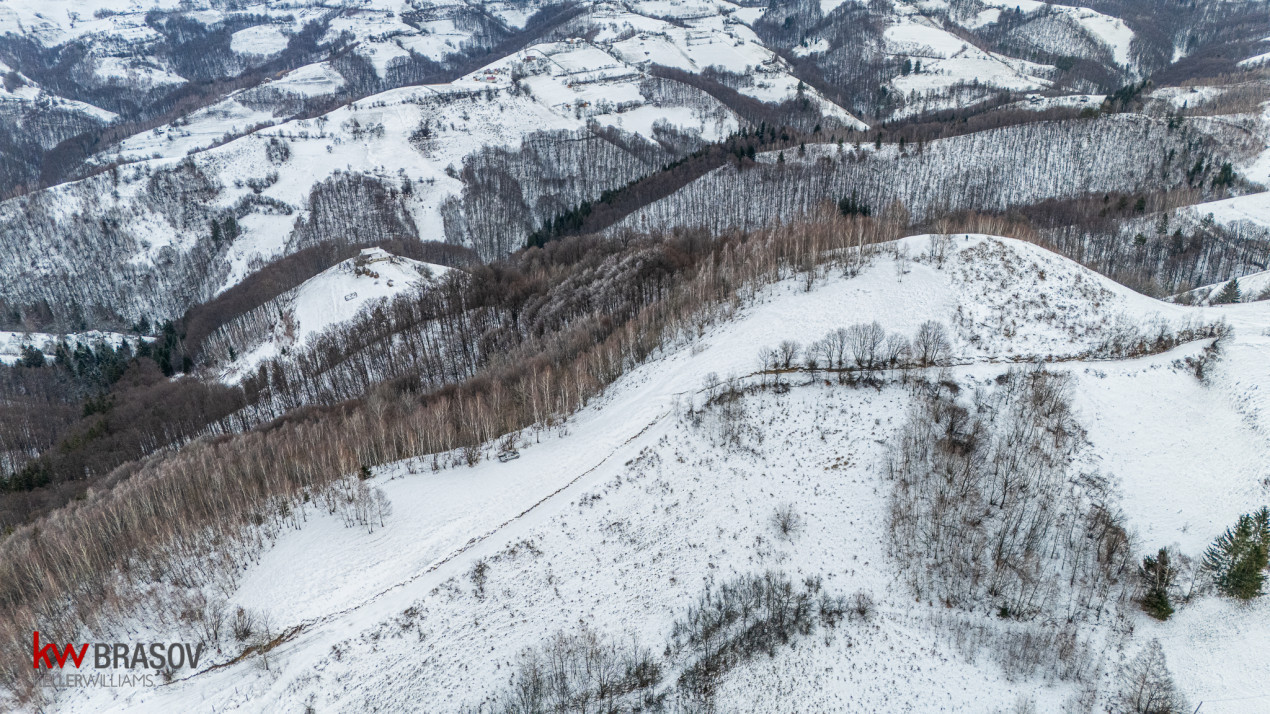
column 635, row 356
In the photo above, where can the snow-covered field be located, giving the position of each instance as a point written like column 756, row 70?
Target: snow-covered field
column 621, row 516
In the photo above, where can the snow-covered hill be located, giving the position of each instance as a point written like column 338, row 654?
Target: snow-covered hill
column 616, row 520
column 799, row 415
column 411, row 140
column 333, row 297
column 195, row 111
column 249, row 160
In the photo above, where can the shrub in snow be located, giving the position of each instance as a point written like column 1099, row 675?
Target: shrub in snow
column 479, row 574
column 787, row 521
column 583, row 672
column 1025, row 651
column 862, row 605
column 278, row 151
column 244, row 624
column 1023, row 706
column 728, row 625
column 731, row 623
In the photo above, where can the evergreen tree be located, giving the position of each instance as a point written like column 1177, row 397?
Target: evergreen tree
column 1238, row 558
column 1156, row 574
column 1225, row 176
column 852, row 206
column 1229, row 294
column 31, row 357
column 230, row 228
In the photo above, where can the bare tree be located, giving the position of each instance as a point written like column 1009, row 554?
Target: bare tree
column 865, row 342
column 1146, row 687
column 940, row 247
column 381, row 506
column 788, row 352
column 836, row 344
column 931, row 346
column 902, row 261
column 897, row 350
column 817, row 355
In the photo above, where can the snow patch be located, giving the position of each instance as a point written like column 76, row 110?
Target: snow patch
column 259, row 40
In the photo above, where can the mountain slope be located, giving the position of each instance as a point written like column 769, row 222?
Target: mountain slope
column 328, row 299
column 617, row 519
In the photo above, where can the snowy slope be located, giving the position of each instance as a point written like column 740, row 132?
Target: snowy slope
column 328, row 299
column 618, row 519
column 1251, row 287
column 565, row 86
column 1252, row 207
column 948, row 61
column 29, row 94
column 950, row 71
column 1111, row 32
column 12, row 343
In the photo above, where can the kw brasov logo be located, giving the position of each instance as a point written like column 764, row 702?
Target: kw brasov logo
column 108, row 658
